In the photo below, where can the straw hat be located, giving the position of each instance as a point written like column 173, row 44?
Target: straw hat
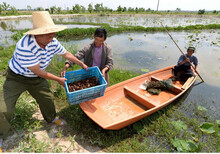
column 43, row 24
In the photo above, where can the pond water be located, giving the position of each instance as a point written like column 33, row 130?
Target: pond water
column 156, row 50
column 113, row 20
column 143, row 20
column 137, row 51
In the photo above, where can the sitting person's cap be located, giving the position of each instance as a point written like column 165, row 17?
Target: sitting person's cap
column 191, row 48
column 43, row 24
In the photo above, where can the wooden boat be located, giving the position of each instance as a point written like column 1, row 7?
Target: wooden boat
column 126, row 103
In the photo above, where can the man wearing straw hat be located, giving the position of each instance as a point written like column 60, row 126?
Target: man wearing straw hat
column 26, row 71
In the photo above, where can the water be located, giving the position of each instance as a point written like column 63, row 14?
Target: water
column 143, row 20
column 136, row 51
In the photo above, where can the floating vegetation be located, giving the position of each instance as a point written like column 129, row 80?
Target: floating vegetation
column 179, row 125
column 185, row 145
column 145, row 70
column 207, row 127
column 130, row 38
column 218, row 122
column 201, row 108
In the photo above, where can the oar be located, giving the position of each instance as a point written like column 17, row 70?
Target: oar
column 182, row 52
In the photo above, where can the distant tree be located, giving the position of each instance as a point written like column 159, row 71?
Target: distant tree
column 0, row 9
column 106, row 9
column 110, row 10
column 90, row 8
column 201, row 11
column 76, row 8
column 52, row 9
column 5, row 6
column 141, row 9
column 40, row 9
column 136, row 10
column 83, row 9
column 178, row 10
column 29, row 7
column 98, row 7
column 215, row 12
column 59, row 10
column 119, row 9
column 12, row 10
column 102, row 8
column 124, row 9
column 148, row 10
column 130, row 9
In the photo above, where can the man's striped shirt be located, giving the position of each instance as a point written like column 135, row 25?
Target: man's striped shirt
column 28, row 53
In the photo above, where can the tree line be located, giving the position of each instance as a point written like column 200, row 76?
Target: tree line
column 97, row 8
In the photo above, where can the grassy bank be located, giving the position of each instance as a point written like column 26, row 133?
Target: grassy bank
column 71, row 33
column 172, row 129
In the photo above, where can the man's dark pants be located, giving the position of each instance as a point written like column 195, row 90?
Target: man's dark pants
column 183, row 71
column 13, row 87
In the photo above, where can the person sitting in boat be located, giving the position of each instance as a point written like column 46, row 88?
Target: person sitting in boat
column 183, row 70
column 98, row 53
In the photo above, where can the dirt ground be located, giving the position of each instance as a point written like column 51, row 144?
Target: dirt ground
column 12, row 142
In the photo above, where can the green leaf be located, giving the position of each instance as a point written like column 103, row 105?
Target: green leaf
column 201, row 108
column 207, row 127
column 185, row 145
column 218, row 122
column 145, row 70
column 179, row 125
column 192, row 145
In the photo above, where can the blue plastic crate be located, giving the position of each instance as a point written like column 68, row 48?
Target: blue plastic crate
column 86, row 94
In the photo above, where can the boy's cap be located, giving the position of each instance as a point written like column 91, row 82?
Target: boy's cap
column 191, row 48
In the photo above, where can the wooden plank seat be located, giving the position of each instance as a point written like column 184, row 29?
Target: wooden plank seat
column 139, row 98
column 187, row 83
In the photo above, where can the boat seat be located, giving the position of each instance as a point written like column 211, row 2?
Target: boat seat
column 187, row 83
column 139, row 98
column 174, row 88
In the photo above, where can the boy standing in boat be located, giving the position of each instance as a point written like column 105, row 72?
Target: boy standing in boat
column 98, row 53
column 26, row 71
column 183, row 68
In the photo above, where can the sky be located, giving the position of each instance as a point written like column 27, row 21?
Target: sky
column 189, row 5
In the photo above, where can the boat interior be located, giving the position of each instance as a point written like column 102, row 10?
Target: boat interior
column 127, row 100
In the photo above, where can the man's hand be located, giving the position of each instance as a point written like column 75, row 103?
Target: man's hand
column 84, row 66
column 63, row 72
column 187, row 60
column 104, row 71
column 61, row 81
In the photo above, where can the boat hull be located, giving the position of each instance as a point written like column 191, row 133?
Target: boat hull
column 125, row 103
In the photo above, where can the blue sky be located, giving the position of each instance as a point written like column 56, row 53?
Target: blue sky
column 164, row 4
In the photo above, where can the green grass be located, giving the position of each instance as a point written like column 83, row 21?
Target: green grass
column 5, row 55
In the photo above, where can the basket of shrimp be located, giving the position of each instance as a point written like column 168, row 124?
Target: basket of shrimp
column 82, row 85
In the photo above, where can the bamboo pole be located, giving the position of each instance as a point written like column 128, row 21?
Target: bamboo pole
column 182, row 52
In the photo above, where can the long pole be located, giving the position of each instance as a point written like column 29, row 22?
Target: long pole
column 182, row 52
